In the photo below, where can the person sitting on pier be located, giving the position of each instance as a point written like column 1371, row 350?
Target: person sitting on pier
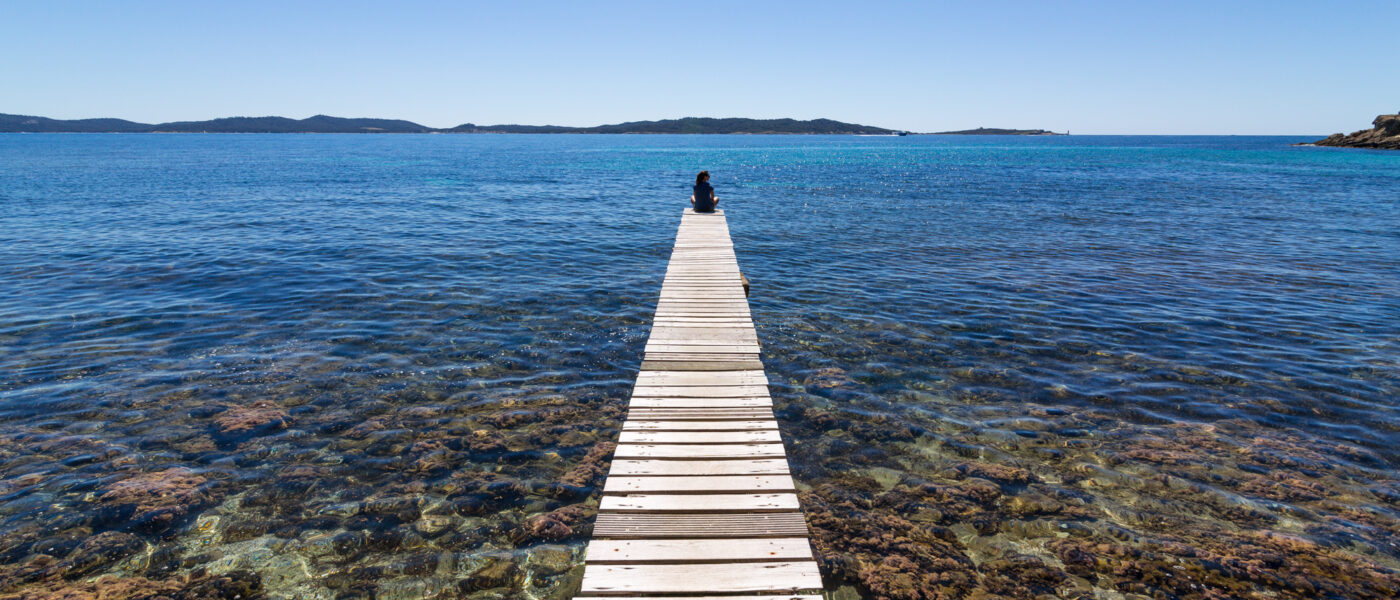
column 704, row 199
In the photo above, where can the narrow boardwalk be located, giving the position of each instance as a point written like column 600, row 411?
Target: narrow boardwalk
column 699, row 502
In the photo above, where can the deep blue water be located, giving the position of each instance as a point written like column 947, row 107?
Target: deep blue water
column 1000, row 295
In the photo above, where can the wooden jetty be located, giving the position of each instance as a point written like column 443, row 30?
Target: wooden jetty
column 699, row 502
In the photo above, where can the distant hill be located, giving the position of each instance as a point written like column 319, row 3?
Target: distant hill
column 316, row 124
column 325, row 124
column 27, row 124
column 994, row 131
column 692, row 125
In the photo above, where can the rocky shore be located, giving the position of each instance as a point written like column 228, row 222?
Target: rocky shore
column 1384, row 134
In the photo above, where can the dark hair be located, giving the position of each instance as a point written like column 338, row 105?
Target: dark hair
column 699, row 179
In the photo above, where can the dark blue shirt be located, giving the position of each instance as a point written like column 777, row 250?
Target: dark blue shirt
column 704, row 197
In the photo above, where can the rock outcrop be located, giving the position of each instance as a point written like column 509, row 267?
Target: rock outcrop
column 1385, row 134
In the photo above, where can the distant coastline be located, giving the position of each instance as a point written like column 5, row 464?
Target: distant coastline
column 327, row 124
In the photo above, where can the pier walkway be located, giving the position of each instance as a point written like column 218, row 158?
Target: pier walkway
column 699, row 502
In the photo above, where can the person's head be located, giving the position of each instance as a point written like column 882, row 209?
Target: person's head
column 702, row 177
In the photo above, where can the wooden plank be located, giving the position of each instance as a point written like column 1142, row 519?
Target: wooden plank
column 712, row 413
column 703, row 312
column 702, row 322
column 697, row 391
column 752, row 349
column 706, row 578
column 737, row 335
column 702, row 343
column 711, row 550
column 700, row 414
column 706, row 319
column 692, row 413
column 762, row 466
column 701, row 365
column 699, row 402
column 699, row 503
column 700, row 437
column 700, row 357
column 754, row 377
column 667, row 334
column 702, row 294
column 683, row 526
column 781, row 597
column 685, row 331
column 698, row 451
column 706, row 344
column 695, row 483
column 700, row 303
column 640, row 425
column 743, row 342
column 703, row 352
column 700, row 314
column 725, row 285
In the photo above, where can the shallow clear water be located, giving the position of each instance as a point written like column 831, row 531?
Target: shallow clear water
column 360, row 366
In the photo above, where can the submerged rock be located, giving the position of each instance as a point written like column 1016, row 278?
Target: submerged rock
column 591, row 470
column 99, row 551
column 558, row 525
column 829, row 377
column 198, row 585
column 258, row 418
column 495, row 571
column 158, row 499
column 548, row 561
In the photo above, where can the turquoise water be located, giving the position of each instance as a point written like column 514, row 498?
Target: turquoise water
column 308, row 366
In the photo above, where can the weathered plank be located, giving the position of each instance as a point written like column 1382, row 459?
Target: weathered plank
column 641, row 425
column 704, row 577
column 690, row 526
column 641, row 404
column 700, row 437
column 700, row 402
column 758, row 450
column 699, row 414
column 716, row 413
column 636, row 467
column 689, row 378
column 699, row 503
column 712, row 550
column 699, row 483
column 778, row 597
column 697, row 391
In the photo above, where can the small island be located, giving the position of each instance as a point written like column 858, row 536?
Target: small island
column 327, row 124
column 1384, row 134
column 995, row 131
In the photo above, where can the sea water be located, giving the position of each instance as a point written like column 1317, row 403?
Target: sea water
column 353, row 366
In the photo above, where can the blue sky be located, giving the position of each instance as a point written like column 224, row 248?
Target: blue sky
column 1132, row 66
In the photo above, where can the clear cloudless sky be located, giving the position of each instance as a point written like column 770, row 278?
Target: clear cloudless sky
column 1123, row 67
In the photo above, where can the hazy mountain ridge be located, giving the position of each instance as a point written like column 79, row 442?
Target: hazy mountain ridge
column 327, row 124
